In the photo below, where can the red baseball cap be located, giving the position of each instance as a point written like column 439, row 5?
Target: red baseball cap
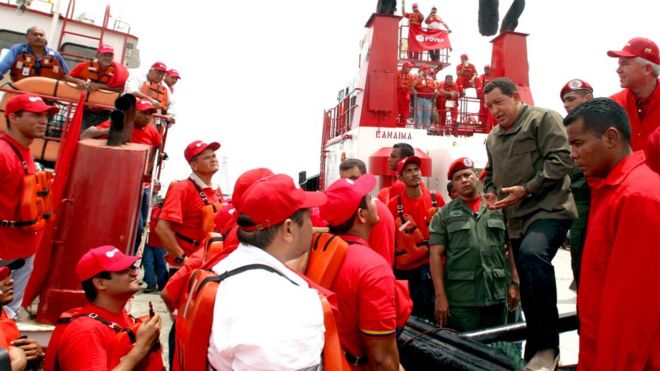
column 224, row 218
column 408, row 160
column 271, row 200
column 430, row 71
column 464, row 56
column 6, row 266
column 197, row 147
column 174, row 73
column 638, row 47
column 245, row 180
column 414, row 5
column 487, row 67
column 103, row 259
column 105, row 48
column 407, row 64
column 30, row 103
column 344, row 196
column 575, row 84
column 160, row 66
column 460, row 163
column 145, row 105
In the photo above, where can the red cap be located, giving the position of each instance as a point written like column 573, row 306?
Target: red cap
column 174, row 73
column 30, row 103
column 414, row 5
column 407, row 64
column 160, row 66
column 344, row 196
column 460, row 163
column 224, row 217
column 6, row 266
column 464, row 56
column 197, row 147
column 317, row 221
column 245, row 180
column 269, row 201
column 487, row 67
column 408, row 160
column 638, row 47
column 575, row 84
column 103, row 259
column 430, row 71
column 105, row 48
column 145, row 105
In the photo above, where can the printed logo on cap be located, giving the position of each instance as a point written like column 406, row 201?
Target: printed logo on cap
column 198, row 145
column 35, row 99
column 575, row 84
column 111, row 254
column 648, row 50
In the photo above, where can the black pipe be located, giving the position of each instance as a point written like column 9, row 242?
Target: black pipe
column 518, row 331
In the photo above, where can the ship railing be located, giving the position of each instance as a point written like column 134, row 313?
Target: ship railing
column 58, row 124
column 341, row 116
column 464, row 118
column 438, row 60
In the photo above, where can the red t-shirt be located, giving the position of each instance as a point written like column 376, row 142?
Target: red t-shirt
column 418, row 209
column 14, row 242
column 474, row 205
column 148, row 135
column 182, row 208
column 381, row 237
column 8, row 327
column 154, row 241
column 641, row 127
column 365, row 288
column 85, row 342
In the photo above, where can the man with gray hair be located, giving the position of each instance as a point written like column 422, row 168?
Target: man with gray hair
column 639, row 67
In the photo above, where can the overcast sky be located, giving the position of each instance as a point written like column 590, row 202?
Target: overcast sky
column 258, row 74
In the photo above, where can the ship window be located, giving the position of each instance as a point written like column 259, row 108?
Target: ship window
column 72, row 53
column 9, row 38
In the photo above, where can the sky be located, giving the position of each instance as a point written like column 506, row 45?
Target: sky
column 257, row 74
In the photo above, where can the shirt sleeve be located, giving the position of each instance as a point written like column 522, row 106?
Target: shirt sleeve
column 438, row 230
column 173, row 205
column 75, row 72
column 133, row 83
column 553, row 146
column 629, row 323
column 65, row 67
column 9, row 59
column 171, row 106
column 377, row 302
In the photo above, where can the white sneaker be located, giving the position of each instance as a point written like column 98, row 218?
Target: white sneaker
column 543, row 360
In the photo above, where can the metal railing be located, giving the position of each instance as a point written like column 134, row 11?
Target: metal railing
column 438, row 59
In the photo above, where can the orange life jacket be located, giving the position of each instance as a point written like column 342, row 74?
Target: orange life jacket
column 404, row 80
column 326, row 257
column 157, row 91
column 120, row 345
column 36, row 205
column 25, row 66
column 412, row 249
column 193, row 324
column 95, row 73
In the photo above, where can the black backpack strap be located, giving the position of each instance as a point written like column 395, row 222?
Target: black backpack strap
column 434, row 200
column 239, row 270
column 112, row 325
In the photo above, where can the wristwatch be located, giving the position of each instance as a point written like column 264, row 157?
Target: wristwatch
column 515, row 283
column 179, row 259
column 527, row 192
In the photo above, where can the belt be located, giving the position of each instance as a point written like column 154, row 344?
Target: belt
column 188, row 239
column 16, row 224
column 356, row 361
column 430, row 97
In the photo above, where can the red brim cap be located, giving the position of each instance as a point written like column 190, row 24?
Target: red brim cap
column 638, row 47
column 245, row 180
column 575, row 84
column 145, row 105
column 30, row 103
column 159, row 66
column 195, row 148
column 103, row 259
column 174, row 73
column 344, row 196
column 106, row 49
column 408, row 160
column 459, row 164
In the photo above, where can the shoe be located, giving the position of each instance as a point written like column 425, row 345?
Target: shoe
column 543, row 360
column 150, row 288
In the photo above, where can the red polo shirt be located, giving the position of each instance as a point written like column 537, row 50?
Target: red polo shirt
column 182, row 208
column 643, row 120
column 154, row 241
column 85, row 342
column 14, row 242
column 148, row 135
column 381, row 237
column 365, row 289
column 618, row 305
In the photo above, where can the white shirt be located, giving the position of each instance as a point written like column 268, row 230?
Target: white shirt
column 134, row 84
column 262, row 321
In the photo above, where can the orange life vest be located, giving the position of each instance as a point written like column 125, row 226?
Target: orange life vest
column 193, row 324
column 157, row 91
column 25, row 66
column 120, row 345
column 403, row 80
column 95, row 73
column 36, row 205
column 412, row 249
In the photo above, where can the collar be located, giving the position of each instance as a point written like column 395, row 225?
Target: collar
column 122, row 319
column 28, row 49
column 620, row 171
column 458, row 203
column 200, row 183
column 259, row 255
column 353, row 240
column 15, row 143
